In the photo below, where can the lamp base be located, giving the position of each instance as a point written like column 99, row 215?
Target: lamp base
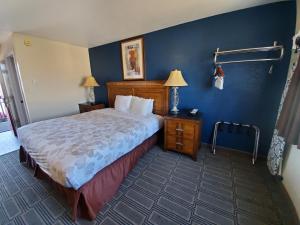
column 174, row 110
column 91, row 95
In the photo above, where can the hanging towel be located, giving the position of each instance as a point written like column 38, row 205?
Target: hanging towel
column 219, row 78
column 219, row 82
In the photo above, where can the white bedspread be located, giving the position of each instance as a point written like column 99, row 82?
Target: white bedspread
column 72, row 149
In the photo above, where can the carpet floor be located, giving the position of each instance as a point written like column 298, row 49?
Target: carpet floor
column 8, row 142
column 164, row 188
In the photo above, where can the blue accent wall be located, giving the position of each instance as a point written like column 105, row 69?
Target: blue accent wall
column 250, row 94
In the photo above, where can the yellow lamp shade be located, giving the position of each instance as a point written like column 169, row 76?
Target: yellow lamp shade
column 175, row 79
column 90, row 82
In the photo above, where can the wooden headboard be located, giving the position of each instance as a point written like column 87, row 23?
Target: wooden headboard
column 145, row 89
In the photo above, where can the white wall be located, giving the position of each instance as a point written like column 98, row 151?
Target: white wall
column 291, row 166
column 51, row 73
column 291, row 176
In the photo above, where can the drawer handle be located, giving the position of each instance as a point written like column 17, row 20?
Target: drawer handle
column 178, row 143
column 179, row 129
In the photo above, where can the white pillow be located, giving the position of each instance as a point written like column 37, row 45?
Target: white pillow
column 150, row 105
column 141, row 106
column 122, row 103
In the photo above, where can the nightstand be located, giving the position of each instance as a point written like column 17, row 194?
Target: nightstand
column 86, row 107
column 183, row 133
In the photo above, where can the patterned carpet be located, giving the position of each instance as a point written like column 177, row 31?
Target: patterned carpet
column 164, row 188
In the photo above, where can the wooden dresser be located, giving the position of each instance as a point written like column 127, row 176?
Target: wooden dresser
column 86, row 107
column 183, row 133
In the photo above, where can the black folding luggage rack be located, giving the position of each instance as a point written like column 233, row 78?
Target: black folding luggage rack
column 257, row 135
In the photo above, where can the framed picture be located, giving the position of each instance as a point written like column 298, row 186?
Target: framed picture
column 132, row 52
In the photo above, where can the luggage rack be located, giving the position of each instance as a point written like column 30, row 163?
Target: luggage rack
column 239, row 125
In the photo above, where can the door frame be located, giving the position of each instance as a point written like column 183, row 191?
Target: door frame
column 13, row 69
column 7, row 104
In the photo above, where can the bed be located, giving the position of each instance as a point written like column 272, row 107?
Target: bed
column 87, row 156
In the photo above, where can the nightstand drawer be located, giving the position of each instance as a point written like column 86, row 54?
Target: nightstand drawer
column 181, row 128
column 180, row 144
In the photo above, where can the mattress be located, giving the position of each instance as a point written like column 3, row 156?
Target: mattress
column 72, row 149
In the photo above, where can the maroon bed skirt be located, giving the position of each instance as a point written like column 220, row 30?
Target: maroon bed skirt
column 90, row 198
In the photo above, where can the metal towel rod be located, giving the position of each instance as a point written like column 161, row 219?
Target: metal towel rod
column 273, row 48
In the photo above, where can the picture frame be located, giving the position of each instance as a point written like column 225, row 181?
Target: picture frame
column 132, row 57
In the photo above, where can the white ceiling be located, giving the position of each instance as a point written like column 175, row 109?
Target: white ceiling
column 95, row 22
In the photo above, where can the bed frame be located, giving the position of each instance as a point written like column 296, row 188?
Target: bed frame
column 86, row 202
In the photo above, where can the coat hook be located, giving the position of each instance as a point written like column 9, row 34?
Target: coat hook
column 271, row 69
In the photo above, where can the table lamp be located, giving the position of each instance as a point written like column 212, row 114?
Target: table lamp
column 90, row 83
column 175, row 80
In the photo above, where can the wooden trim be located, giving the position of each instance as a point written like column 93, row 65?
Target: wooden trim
column 145, row 89
column 143, row 49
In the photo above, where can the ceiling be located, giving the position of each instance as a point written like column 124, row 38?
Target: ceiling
column 90, row 23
